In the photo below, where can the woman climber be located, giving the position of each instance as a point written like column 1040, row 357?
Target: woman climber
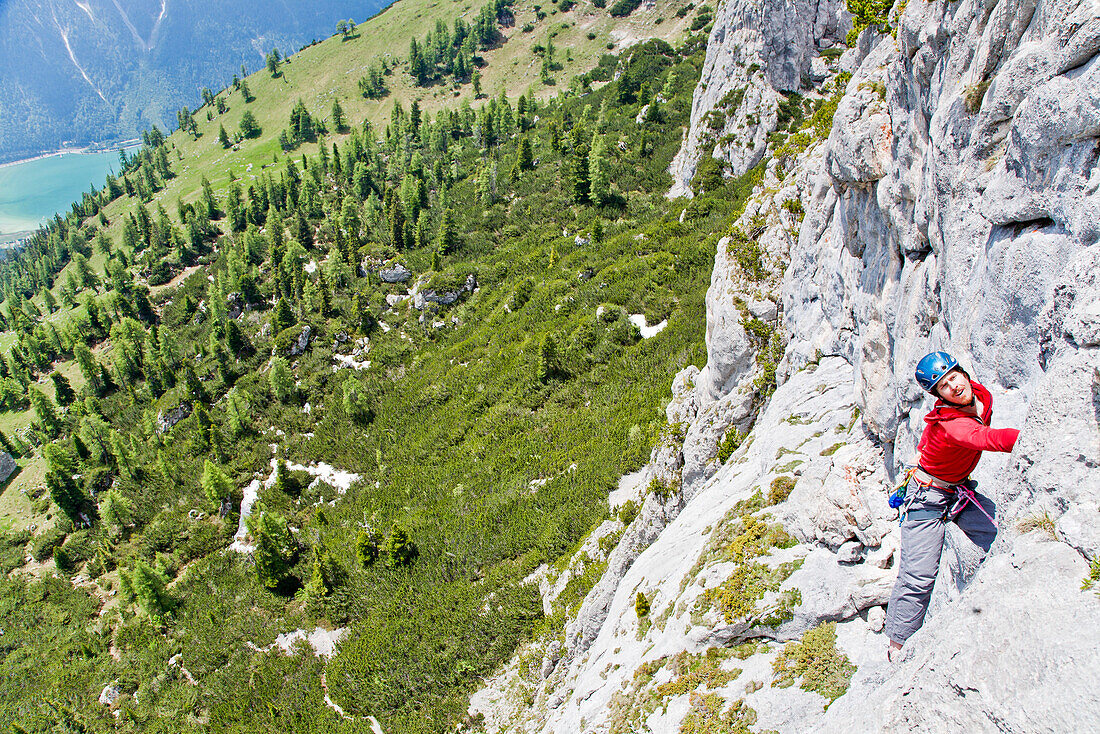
column 939, row 489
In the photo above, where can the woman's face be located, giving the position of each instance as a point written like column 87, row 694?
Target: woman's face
column 955, row 388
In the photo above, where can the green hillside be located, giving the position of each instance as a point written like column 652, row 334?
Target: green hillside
column 484, row 407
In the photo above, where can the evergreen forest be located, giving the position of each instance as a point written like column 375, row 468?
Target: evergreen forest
column 407, row 346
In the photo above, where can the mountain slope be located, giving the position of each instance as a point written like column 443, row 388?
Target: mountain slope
column 100, row 70
column 360, row 413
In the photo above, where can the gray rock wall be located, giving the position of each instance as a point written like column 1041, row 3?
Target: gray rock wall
column 756, row 51
column 957, row 210
column 953, row 205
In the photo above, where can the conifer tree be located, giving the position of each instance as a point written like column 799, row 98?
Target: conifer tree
column 223, row 136
column 209, row 201
column 64, row 491
column 47, row 416
column 235, row 208
column 578, row 174
column 275, row 548
column 339, row 120
column 599, row 175
column 246, row 92
column 63, row 391
column 116, row 511
column 124, row 457
column 303, row 232
column 283, row 483
column 548, row 359
column 356, row 402
column 397, row 224
column 281, row 380
column 272, row 61
column 49, row 300
column 7, row 445
column 236, row 412
column 367, row 547
column 283, row 318
column 148, row 586
column 525, row 159
column 215, row 483
column 399, row 548
column 447, row 240
column 88, row 368
column 249, row 127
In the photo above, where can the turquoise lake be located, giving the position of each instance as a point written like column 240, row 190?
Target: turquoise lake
column 33, row 191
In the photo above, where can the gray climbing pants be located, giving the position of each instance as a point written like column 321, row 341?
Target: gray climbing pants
column 922, row 534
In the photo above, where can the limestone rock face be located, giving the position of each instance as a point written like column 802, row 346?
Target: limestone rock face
column 952, row 206
column 756, row 52
column 958, row 211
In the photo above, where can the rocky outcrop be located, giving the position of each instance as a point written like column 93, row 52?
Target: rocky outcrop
column 396, row 274
column 166, row 420
column 302, row 342
column 432, row 298
column 7, row 466
column 757, row 53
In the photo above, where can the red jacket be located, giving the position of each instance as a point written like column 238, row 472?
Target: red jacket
column 954, row 440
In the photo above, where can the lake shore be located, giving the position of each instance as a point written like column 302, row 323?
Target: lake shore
column 85, row 150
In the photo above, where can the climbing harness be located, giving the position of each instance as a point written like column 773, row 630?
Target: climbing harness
column 964, row 494
column 900, row 499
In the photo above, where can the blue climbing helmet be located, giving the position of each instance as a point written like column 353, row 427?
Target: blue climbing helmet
column 932, row 368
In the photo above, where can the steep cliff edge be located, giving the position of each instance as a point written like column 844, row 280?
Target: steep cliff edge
column 953, row 205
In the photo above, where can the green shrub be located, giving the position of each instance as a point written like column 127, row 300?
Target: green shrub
column 641, row 605
column 13, row 550
column 867, row 13
column 399, row 548
column 730, row 443
column 700, row 20
column 622, row 8
column 816, row 660
column 286, row 339
column 43, row 545
column 974, row 94
column 748, row 253
column 780, row 489
column 628, row 511
column 1092, row 577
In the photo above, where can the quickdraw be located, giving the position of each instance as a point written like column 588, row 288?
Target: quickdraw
column 897, row 497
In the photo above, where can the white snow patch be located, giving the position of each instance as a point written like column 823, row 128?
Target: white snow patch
column 311, row 267
column 322, row 641
column 631, row 487
column 322, row 472
column 251, row 494
column 307, row 408
column 638, row 319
